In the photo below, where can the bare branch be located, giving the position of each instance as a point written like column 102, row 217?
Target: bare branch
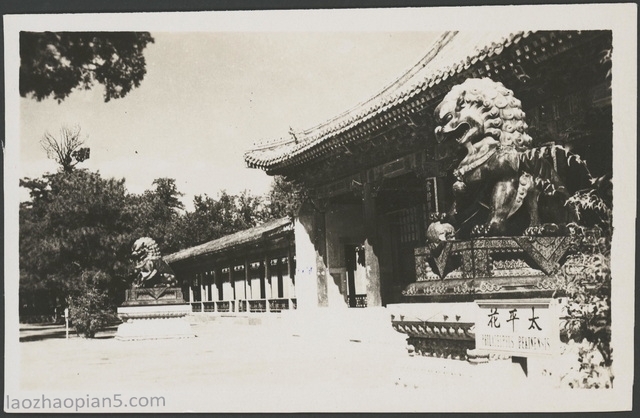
column 66, row 149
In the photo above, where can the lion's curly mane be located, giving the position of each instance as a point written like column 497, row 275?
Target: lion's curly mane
column 504, row 118
column 152, row 248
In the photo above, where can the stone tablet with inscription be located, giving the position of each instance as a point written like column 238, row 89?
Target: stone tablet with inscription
column 522, row 328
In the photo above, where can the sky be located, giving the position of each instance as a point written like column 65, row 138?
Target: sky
column 208, row 97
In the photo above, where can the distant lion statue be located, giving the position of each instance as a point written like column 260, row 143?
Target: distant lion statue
column 502, row 168
column 151, row 269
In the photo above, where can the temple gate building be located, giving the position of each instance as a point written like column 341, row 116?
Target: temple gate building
column 378, row 177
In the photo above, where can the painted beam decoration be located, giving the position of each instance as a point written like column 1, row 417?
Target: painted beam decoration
column 523, row 328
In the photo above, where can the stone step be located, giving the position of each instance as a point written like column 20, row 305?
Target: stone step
column 234, row 319
column 371, row 326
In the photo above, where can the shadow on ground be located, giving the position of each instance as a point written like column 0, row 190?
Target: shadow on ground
column 48, row 331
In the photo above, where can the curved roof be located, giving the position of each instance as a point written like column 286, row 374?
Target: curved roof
column 264, row 231
column 452, row 53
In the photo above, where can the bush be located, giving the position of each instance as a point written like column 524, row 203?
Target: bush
column 89, row 308
column 586, row 327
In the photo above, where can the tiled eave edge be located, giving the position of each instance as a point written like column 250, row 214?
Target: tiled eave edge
column 201, row 251
column 382, row 114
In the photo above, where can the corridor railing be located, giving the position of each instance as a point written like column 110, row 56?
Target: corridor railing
column 274, row 305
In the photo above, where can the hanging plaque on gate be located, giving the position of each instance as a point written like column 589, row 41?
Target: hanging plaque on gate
column 523, row 328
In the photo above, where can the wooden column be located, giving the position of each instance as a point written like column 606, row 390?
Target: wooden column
column 374, row 297
column 233, row 289
column 203, row 290
column 248, row 289
column 214, row 289
column 215, row 292
column 320, row 244
column 291, row 292
column 267, row 280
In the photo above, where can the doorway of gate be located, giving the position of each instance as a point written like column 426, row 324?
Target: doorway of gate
column 356, row 276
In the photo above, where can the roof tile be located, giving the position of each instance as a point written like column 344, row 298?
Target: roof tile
column 458, row 51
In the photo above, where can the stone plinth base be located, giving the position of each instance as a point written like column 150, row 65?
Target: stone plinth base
column 154, row 322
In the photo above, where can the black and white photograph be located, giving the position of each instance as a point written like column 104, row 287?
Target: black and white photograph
column 421, row 209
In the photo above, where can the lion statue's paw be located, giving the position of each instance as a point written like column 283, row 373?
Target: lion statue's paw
column 482, row 230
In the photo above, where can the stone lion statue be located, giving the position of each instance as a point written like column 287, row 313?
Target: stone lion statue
column 151, row 269
column 500, row 170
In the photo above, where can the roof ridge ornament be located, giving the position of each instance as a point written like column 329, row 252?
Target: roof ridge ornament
column 293, row 134
column 418, row 91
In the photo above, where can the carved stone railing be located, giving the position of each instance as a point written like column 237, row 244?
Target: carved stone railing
column 259, row 305
column 469, row 270
column 484, row 267
column 279, row 305
column 274, row 305
column 438, row 339
column 360, row 301
column 224, row 306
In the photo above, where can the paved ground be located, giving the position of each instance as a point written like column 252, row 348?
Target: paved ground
column 230, row 367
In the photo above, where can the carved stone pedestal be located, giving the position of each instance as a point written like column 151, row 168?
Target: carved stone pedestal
column 487, row 268
column 154, row 313
column 441, row 315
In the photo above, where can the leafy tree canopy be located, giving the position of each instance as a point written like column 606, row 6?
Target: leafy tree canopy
column 76, row 222
column 167, row 191
column 79, row 226
column 156, row 212
column 215, row 218
column 54, row 63
column 284, row 198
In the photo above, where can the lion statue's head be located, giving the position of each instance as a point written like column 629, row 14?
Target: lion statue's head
column 151, row 269
column 144, row 249
column 481, row 113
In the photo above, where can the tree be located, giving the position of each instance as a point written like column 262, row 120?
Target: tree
column 67, row 149
column 205, row 223
column 249, row 211
column 54, row 63
column 167, row 191
column 76, row 223
column 155, row 213
column 76, row 232
column 215, row 218
column 284, row 198
column 212, row 219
